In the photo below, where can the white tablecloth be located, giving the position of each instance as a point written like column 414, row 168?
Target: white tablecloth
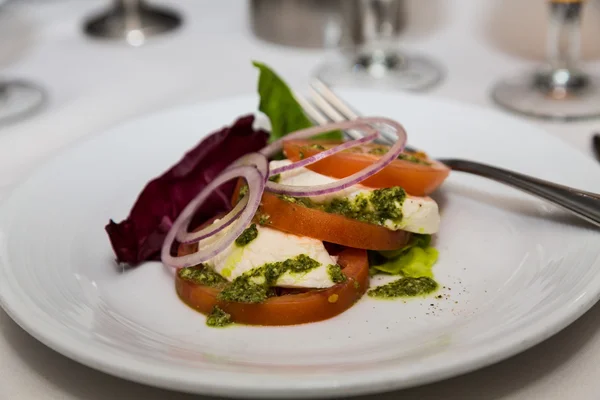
column 93, row 85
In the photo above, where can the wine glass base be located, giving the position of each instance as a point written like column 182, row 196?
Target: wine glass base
column 390, row 71
column 134, row 26
column 524, row 95
column 19, row 99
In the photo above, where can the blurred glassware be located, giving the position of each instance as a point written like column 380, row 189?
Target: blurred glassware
column 19, row 99
column 296, row 23
column 133, row 21
column 369, row 51
column 560, row 89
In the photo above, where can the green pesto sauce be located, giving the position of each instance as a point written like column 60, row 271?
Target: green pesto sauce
column 243, row 290
column 243, row 192
column 336, row 274
column 263, row 219
column 403, row 156
column 413, row 159
column 356, row 150
column 255, row 286
column 218, row 318
column 247, row 236
column 405, row 287
column 375, row 208
column 378, row 151
column 275, row 178
column 202, row 275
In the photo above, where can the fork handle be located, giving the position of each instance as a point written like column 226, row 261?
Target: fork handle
column 585, row 205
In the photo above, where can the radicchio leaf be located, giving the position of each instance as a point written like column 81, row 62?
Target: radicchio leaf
column 140, row 237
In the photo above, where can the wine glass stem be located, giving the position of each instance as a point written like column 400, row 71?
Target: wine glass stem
column 370, row 24
column 564, row 34
column 3, row 89
column 127, row 3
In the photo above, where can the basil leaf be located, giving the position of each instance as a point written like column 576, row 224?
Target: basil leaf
column 278, row 103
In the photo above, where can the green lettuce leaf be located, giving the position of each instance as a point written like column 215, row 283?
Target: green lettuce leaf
column 415, row 263
column 416, row 240
column 414, row 260
column 278, row 103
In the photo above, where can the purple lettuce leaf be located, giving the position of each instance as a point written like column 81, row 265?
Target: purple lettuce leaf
column 140, row 237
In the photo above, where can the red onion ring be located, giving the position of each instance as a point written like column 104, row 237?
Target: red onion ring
column 326, row 153
column 210, row 230
column 255, row 159
column 276, row 146
column 305, row 191
column 254, row 168
column 206, row 251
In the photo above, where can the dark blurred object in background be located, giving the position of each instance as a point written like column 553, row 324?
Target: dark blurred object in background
column 133, row 21
column 297, row 23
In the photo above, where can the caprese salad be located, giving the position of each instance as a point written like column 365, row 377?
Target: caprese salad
column 290, row 229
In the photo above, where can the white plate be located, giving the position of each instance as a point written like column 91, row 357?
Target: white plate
column 516, row 270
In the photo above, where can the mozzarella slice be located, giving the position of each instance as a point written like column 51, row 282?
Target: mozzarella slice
column 419, row 214
column 272, row 246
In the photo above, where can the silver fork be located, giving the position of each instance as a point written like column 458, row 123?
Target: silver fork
column 326, row 106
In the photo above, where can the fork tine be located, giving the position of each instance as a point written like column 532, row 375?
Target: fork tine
column 313, row 113
column 328, row 99
column 323, row 105
column 333, row 99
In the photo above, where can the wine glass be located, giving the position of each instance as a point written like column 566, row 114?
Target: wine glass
column 559, row 89
column 369, row 52
column 132, row 20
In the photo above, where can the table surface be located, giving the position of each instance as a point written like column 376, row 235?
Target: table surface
column 93, row 85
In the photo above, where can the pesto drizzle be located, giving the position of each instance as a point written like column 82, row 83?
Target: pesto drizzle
column 244, row 290
column 336, row 274
column 243, row 191
column 379, row 151
column 405, row 287
column 255, row 286
column 264, row 219
column 247, row 236
column 218, row 318
column 202, row 275
column 275, row 178
column 413, row 159
column 375, row 208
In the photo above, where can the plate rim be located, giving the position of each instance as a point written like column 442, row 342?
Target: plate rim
column 547, row 326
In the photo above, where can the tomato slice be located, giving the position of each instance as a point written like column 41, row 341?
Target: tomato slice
column 290, row 309
column 417, row 174
column 297, row 219
column 282, row 215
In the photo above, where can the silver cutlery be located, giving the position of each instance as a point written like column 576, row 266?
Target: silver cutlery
column 326, row 106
